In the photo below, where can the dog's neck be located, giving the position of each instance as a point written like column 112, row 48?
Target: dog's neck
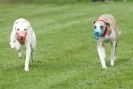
column 107, row 31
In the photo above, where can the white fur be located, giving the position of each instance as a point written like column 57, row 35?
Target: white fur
column 30, row 41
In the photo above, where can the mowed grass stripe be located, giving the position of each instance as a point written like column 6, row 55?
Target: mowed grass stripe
column 66, row 56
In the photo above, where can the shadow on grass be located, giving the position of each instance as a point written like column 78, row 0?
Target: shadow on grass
column 51, row 66
column 118, row 62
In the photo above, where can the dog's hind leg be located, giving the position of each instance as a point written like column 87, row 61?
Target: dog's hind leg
column 19, row 54
column 101, row 53
column 32, row 55
column 32, row 52
column 113, row 50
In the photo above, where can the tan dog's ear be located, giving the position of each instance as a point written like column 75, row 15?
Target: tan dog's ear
column 108, row 24
column 93, row 22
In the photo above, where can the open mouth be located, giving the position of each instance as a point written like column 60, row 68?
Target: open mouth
column 21, row 37
column 21, row 40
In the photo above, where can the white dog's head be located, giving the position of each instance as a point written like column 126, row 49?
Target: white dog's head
column 99, row 28
column 21, row 27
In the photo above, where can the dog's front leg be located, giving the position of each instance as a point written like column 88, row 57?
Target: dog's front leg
column 18, row 48
column 102, row 54
column 103, row 51
column 28, row 53
column 113, row 53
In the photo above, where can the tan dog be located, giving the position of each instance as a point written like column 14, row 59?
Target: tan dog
column 106, row 30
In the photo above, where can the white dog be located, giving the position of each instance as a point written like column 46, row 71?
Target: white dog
column 22, row 34
column 106, row 30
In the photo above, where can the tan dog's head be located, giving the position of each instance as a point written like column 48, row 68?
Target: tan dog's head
column 21, row 31
column 99, row 28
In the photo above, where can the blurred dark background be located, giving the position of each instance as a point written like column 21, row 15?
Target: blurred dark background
column 55, row 1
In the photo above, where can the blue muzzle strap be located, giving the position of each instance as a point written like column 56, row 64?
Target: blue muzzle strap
column 98, row 33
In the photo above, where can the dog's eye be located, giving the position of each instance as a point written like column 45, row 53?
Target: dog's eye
column 25, row 29
column 101, row 27
column 18, row 29
column 95, row 27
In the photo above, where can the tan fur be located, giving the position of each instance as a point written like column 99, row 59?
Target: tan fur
column 111, row 20
column 111, row 34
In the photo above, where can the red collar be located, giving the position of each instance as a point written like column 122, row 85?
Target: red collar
column 106, row 28
column 105, row 32
column 101, row 20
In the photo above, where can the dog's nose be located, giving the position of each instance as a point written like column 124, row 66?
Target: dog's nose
column 97, row 33
column 21, row 34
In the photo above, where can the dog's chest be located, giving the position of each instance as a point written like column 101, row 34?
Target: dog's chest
column 106, row 40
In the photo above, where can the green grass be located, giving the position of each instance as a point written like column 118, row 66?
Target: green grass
column 44, row 1
column 66, row 55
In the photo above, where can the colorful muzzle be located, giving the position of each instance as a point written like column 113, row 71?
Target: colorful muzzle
column 21, row 35
column 98, row 33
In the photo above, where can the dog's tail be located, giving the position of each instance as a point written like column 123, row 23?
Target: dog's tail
column 119, row 33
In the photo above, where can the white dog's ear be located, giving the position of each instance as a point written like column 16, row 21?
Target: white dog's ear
column 16, row 22
column 14, row 26
column 29, row 26
column 108, row 24
column 13, row 36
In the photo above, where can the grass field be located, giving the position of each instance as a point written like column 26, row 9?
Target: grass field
column 66, row 55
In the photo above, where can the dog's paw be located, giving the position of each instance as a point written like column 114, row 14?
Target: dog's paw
column 26, row 70
column 12, row 45
column 112, row 63
column 20, row 55
column 104, row 67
